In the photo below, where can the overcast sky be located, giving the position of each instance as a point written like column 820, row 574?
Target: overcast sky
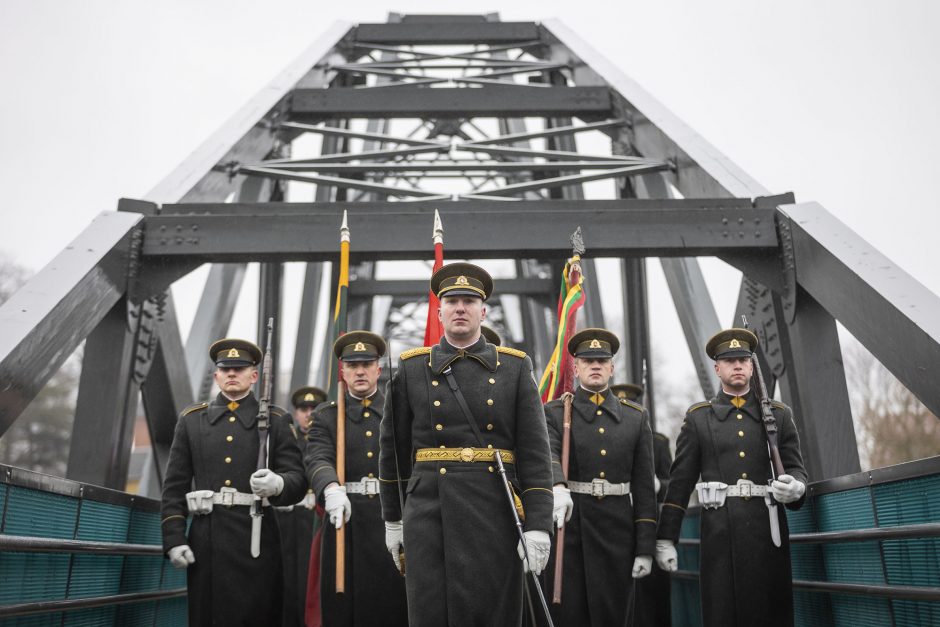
column 835, row 101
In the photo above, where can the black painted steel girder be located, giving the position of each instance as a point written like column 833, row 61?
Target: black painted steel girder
column 533, row 229
column 450, row 102
column 446, row 32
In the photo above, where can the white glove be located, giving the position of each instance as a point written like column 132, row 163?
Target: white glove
column 786, row 489
column 394, row 539
column 537, row 545
column 656, row 484
column 181, row 556
column 666, row 555
column 642, row 566
column 265, row 482
column 563, row 507
column 310, row 500
column 337, row 504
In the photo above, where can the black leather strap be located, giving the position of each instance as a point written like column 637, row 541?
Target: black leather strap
column 452, row 382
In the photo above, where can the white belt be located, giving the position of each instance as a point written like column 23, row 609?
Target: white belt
column 712, row 494
column 201, row 501
column 368, row 486
column 599, row 488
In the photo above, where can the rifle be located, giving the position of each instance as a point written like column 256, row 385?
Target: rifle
column 525, row 551
column 770, row 428
column 566, row 398
column 391, row 419
column 264, row 423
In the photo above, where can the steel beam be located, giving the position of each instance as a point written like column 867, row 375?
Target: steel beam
column 887, row 310
column 47, row 319
column 446, row 30
column 616, row 229
column 450, row 102
column 105, row 411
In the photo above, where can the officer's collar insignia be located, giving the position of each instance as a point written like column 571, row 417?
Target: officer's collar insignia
column 738, row 401
column 233, row 354
column 308, row 397
column 734, row 343
column 595, row 343
column 597, row 398
column 462, row 280
column 360, row 347
column 233, row 405
column 366, row 402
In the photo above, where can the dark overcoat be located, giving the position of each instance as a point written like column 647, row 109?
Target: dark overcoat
column 215, row 447
column 609, row 441
column 375, row 591
column 745, row 580
column 459, row 535
column 296, row 524
column 653, row 603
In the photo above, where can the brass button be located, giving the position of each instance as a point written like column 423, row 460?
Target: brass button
column 740, row 434
column 442, row 446
column 489, row 427
column 231, row 418
column 437, row 403
column 599, row 412
column 497, row 363
column 369, row 454
column 229, row 438
column 439, row 427
column 371, row 476
column 492, row 380
column 603, row 451
column 228, row 482
column 368, row 434
column 434, row 383
column 600, row 430
column 366, row 414
column 443, row 471
column 739, row 416
column 490, row 468
column 602, row 474
column 744, row 475
column 741, row 454
column 489, row 401
column 228, row 460
column 489, row 446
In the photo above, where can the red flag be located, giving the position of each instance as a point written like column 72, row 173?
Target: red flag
column 433, row 330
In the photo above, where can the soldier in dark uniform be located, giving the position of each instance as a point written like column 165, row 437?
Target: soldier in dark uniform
column 610, row 527
column 653, row 605
column 375, row 590
column 459, row 536
column 212, row 473
column 297, row 521
column 745, row 579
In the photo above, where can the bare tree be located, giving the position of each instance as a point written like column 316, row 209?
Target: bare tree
column 892, row 426
column 38, row 440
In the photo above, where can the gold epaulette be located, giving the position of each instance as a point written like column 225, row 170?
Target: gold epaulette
column 193, row 408
column 629, row 403
column 414, row 352
column 515, row 352
column 698, row 406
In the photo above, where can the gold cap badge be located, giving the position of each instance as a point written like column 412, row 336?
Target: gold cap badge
column 595, row 343
column 359, row 347
column 734, row 343
column 309, row 397
column 233, row 354
column 462, row 280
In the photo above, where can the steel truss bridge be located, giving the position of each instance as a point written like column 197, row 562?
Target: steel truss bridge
column 481, row 120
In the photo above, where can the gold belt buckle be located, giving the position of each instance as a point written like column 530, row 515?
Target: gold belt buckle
column 466, row 454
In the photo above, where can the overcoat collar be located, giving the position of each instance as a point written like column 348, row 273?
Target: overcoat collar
column 444, row 354
column 723, row 408
column 246, row 412
column 355, row 407
column 587, row 408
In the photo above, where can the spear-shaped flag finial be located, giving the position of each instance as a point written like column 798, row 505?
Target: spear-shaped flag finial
column 438, row 228
column 344, row 229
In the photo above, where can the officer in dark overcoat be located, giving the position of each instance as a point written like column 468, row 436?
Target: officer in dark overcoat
column 457, row 530
column 653, row 604
column 212, row 474
column 375, row 590
column 745, row 578
column 611, row 533
column 297, row 521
